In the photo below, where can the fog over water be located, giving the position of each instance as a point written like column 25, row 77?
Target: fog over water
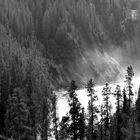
column 63, row 107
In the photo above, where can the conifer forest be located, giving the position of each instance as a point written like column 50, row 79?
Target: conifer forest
column 69, row 69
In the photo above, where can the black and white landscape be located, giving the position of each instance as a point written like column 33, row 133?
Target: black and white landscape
column 69, row 70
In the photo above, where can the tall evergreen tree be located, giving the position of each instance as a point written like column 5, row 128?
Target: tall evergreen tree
column 125, row 110
column 45, row 116
column 106, row 92
column 64, row 128
column 125, row 102
column 138, row 106
column 55, row 117
column 92, row 121
column 129, row 85
column 133, row 133
column 74, row 112
column 17, row 115
column 30, row 104
column 101, row 122
column 4, row 98
column 118, row 96
column 82, row 125
column 92, row 108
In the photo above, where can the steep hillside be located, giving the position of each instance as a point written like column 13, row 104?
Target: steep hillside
column 18, row 62
column 83, row 38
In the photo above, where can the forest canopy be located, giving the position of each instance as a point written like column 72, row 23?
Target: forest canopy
column 44, row 44
column 65, row 30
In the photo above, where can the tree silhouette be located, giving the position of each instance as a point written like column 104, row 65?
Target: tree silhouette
column 74, row 111
column 106, row 92
column 138, row 106
column 92, row 109
column 17, row 115
column 118, row 96
column 129, row 85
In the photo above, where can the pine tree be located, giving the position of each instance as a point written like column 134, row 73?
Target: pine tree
column 106, row 92
column 125, row 109
column 129, row 85
column 4, row 98
column 113, row 128
column 31, row 105
column 124, row 101
column 55, row 118
column 64, row 132
column 101, row 122
column 92, row 120
column 138, row 106
column 74, row 111
column 82, row 125
column 118, row 96
column 17, row 115
column 118, row 113
column 133, row 135
column 92, row 108
column 45, row 116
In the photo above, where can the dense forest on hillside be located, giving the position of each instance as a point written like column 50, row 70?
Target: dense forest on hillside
column 44, row 44
column 75, row 34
